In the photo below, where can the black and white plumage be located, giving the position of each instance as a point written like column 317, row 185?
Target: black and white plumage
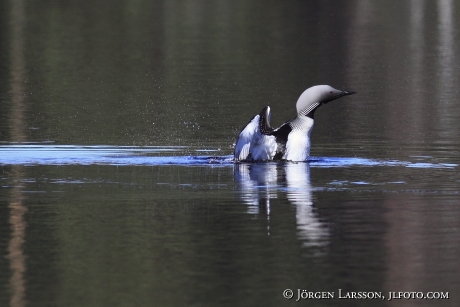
column 258, row 141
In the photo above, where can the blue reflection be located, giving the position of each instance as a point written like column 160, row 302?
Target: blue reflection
column 105, row 155
column 32, row 154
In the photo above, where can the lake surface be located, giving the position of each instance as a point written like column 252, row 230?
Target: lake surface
column 117, row 184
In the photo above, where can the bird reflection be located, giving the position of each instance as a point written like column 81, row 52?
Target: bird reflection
column 258, row 183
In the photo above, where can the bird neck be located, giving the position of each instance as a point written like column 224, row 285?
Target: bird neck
column 310, row 110
column 302, row 122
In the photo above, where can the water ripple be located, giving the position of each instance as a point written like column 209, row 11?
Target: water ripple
column 165, row 155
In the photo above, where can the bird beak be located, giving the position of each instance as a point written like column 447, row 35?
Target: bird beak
column 345, row 93
column 337, row 96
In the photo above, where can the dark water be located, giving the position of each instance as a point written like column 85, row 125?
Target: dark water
column 117, row 186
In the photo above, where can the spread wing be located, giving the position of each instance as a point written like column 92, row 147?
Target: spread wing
column 243, row 144
column 252, row 136
column 264, row 121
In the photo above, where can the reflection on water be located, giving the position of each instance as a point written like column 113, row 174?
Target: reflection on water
column 34, row 154
column 299, row 194
column 446, row 66
column 15, row 247
column 259, row 183
column 17, row 123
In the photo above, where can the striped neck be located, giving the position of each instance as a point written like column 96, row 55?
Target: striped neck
column 309, row 111
column 302, row 123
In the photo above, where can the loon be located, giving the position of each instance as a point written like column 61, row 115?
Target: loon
column 258, row 141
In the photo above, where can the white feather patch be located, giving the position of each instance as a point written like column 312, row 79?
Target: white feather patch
column 263, row 147
column 298, row 142
column 243, row 144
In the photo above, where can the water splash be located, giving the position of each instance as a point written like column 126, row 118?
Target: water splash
column 104, row 155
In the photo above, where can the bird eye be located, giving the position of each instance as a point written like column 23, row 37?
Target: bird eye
column 330, row 92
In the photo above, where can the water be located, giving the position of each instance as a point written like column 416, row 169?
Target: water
column 117, row 185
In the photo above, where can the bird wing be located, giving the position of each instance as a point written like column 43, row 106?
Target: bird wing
column 264, row 121
column 243, row 144
column 263, row 145
column 255, row 141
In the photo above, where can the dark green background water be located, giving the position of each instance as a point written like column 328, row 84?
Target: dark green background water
column 192, row 73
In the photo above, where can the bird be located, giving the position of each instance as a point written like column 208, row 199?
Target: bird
column 258, row 141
